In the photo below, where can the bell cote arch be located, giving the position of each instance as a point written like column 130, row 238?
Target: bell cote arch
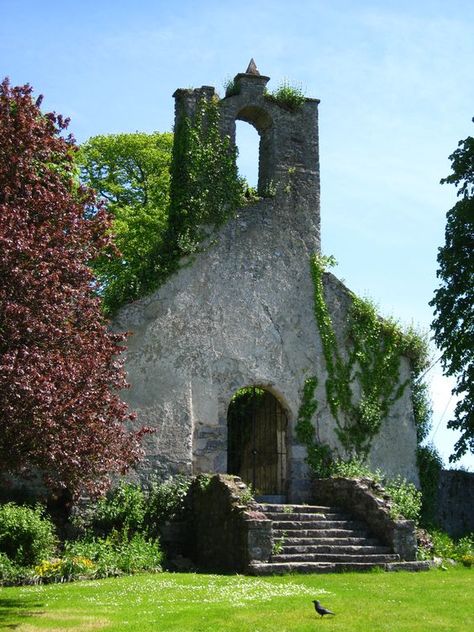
column 288, row 147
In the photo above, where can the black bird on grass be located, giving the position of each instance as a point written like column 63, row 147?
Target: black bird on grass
column 320, row 610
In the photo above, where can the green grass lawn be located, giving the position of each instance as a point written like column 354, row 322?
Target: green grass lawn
column 369, row 602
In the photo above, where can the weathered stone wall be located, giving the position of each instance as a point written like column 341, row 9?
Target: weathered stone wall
column 455, row 502
column 241, row 313
column 366, row 500
column 226, row 533
column 394, row 448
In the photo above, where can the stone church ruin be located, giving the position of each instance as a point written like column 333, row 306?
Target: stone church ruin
column 219, row 355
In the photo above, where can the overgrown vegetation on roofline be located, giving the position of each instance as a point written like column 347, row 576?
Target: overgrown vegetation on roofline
column 205, row 187
column 287, row 96
column 164, row 200
column 166, row 195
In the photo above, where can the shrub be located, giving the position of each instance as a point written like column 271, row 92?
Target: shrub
column 102, row 557
column 11, row 574
column 128, row 509
column 406, row 499
column 116, row 554
column 288, row 96
column 430, row 464
column 461, row 550
column 123, row 509
column 8, row 570
column 65, row 569
column 165, row 501
column 6, row 565
column 26, row 535
column 354, row 468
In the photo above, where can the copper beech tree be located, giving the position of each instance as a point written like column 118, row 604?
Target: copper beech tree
column 60, row 373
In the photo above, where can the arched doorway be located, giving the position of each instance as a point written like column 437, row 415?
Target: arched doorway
column 256, row 445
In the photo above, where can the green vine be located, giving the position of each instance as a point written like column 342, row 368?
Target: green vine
column 318, row 454
column 205, row 188
column 363, row 382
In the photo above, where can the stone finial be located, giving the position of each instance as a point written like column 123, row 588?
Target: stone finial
column 252, row 68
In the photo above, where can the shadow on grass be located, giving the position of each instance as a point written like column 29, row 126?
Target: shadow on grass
column 14, row 611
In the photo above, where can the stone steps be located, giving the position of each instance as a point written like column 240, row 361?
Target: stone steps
column 361, row 557
column 311, row 513
column 346, row 541
column 342, row 549
column 320, row 533
column 323, row 539
column 284, row 509
column 318, row 524
column 314, row 515
column 282, row 568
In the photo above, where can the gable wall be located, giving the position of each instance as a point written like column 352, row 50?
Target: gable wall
column 241, row 313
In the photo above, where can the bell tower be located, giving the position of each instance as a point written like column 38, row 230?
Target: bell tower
column 289, row 144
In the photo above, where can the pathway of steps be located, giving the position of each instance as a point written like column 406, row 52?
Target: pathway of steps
column 317, row 539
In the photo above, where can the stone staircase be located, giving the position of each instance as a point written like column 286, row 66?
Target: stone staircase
column 318, row 539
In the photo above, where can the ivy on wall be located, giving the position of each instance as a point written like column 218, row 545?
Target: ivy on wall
column 318, row 454
column 205, row 188
column 363, row 378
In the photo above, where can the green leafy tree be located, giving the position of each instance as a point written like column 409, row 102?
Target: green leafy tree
column 454, row 300
column 131, row 173
column 165, row 197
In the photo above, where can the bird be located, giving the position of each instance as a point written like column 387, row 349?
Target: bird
column 320, row 610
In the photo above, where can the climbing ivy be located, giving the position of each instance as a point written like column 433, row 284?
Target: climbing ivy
column 363, row 381
column 205, row 188
column 318, row 454
column 376, row 347
column 309, row 405
column 338, row 389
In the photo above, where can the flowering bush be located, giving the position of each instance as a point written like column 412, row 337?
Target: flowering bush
column 65, row 569
column 442, row 545
column 117, row 554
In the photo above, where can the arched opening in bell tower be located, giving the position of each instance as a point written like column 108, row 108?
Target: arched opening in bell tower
column 262, row 122
column 247, row 140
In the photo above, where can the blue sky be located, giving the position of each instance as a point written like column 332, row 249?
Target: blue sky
column 396, row 90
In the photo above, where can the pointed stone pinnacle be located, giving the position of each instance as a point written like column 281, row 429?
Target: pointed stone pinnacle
column 252, row 68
